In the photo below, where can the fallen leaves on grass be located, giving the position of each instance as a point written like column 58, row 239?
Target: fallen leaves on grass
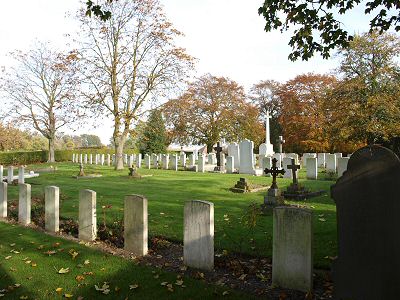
column 63, row 271
column 105, row 289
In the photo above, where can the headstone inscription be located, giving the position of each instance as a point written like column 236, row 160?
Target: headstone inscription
column 367, row 209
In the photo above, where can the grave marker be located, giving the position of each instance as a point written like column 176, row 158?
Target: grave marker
column 87, row 215
column 52, row 203
column 198, row 243
column 3, row 199
column 24, row 204
column 135, row 225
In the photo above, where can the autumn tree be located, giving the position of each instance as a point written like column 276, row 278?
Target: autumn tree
column 212, row 108
column 42, row 91
column 302, row 117
column 365, row 105
column 317, row 28
column 131, row 59
column 264, row 95
column 154, row 138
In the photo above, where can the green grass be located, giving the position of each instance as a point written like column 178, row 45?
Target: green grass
column 168, row 190
column 27, row 271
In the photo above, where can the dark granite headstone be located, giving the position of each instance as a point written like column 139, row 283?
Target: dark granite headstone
column 368, row 222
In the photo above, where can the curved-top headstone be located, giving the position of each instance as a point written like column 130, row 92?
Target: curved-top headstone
column 368, row 208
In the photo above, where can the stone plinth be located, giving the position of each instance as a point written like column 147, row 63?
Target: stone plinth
column 52, row 212
column 292, row 256
column 135, row 225
column 273, row 198
column 198, row 241
column 24, row 204
column 87, row 215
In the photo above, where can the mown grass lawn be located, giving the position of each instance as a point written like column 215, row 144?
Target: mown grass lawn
column 31, row 263
column 168, row 190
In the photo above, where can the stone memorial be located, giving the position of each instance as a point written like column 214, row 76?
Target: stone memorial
column 10, row 174
column 183, row 159
column 165, row 161
column 246, row 157
column 201, row 163
column 147, row 161
column 220, row 166
column 233, row 150
column 273, row 196
column 267, row 164
column 87, row 215
column 321, row 160
column 85, row 159
column 73, row 157
column 281, row 141
column 139, row 161
column 267, row 149
column 342, row 165
column 155, row 160
column 91, row 159
column 230, row 164
column 3, row 199
column 52, row 204
column 102, row 159
column 174, row 163
column 24, row 204
column 292, row 255
column 108, row 160
column 198, row 240
column 1, row 173
column 330, row 163
column 136, row 225
column 192, row 161
column 367, row 209
column 278, row 157
column 312, row 168
column 286, row 161
column 21, row 174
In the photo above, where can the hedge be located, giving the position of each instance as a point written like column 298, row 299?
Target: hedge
column 32, row 157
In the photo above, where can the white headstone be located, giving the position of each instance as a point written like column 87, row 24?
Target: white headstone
column 102, row 159
column 52, row 203
column 87, row 215
column 342, row 165
column 267, row 163
column 91, row 159
column 246, row 157
column 312, row 168
column 147, row 161
column 10, row 174
column 183, row 159
column 139, row 160
column 174, row 165
column 330, row 160
column 321, row 160
column 21, row 174
column 230, row 164
column 3, row 199
column 285, row 162
column 292, row 255
column 201, row 163
column 24, row 205
column 165, row 161
column 1, row 173
column 338, row 154
column 125, row 159
column 96, row 159
column 233, row 150
column 305, row 156
column 191, row 160
column 81, row 158
column 155, row 160
column 196, row 154
column 108, row 159
column 198, row 240
column 136, row 225
column 73, row 157
column 85, row 159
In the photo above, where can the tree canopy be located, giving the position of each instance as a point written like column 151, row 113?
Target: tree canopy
column 310, row 19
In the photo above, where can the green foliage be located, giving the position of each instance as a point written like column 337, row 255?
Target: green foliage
column 310, row 18
column 154, row 135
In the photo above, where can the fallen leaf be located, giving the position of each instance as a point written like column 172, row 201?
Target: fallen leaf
column 68, row 296
column 225, row 293
column 8, row 257
column 59, row 290
column 179, row 282
column 104, row 289
column 79, row 278
column 133, row 286
column 86, row 262
column 63, row 271
column 73, row 253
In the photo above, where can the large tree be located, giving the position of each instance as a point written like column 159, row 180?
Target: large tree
column 211, row 109
column 365, row 105
column 311, row 18
column 42, row 91
column 130, row 60
column 302, row 115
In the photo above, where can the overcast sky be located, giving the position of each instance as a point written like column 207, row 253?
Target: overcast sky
column 226, row 36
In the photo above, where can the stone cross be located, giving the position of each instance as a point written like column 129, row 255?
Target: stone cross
column 267, row 135
column 219, row 150
column 294, row 168
column 274, row 171
column 281, row 141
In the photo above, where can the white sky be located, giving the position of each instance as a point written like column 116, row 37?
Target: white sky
column 226, row 36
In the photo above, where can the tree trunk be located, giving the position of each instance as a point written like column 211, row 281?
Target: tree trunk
column 51, row 157
column 119, row 143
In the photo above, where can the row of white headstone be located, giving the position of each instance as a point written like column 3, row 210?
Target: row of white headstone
column 292, row 230
column 10, row 174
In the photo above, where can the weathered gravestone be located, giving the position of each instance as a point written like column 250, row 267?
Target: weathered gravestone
column 201, row 163
column 198, row 240
column 24, row 204
column 367, row 207
column 135, row 225
column 52, row 201
column 312, row 168
column 342, row 165
column 87, row 215
column 230, row 162
column 10, row 174
column 292, row 257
